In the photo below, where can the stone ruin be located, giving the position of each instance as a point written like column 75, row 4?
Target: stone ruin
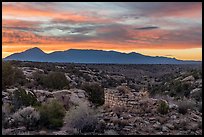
column 116, row 98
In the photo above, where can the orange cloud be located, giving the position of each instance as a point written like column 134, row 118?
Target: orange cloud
column 22, row 28
column 51, row 14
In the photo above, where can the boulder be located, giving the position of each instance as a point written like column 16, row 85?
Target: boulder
column 173, row 106
column 67, row 76
column 189, row 78
column 196, row 90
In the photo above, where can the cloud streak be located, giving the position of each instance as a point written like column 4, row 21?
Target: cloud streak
column 130, row 26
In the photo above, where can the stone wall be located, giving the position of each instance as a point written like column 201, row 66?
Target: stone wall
column 114, row 98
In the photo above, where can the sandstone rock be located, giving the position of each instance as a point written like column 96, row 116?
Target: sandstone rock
column 173, row 106
column 128, row 128
column 199, row 82
column 170, row 126
column 146, row 122
column 21, row 129
column 164, row 129
column 81, row 95
column 194, row 91
column 11, row 90
column 43, row 132
column 60, row 133
column 74, row 98
column 166, row 91
column 157, row 126
column 152, row 118
column 41, row 99
column 189, row 78
column 67, row 76
column 173, row 117
column 110, row 132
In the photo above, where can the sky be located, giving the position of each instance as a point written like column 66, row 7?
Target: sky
column 170, row 29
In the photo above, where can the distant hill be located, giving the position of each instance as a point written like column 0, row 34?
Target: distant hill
column 93, row 56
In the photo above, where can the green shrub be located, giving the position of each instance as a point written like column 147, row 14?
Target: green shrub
column 163, row 107
column 95, row 93
column 22, row 98
column 54, row 80
column 11, row 75
column 52, row 114
column 7, row 75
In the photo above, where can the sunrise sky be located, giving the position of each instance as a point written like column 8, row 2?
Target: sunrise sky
column 155, row 29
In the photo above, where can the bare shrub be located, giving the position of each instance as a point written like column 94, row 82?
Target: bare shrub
column 81, row 118
column 184, row 105
column 123, row 123
column 28, row 117
column 6, row 112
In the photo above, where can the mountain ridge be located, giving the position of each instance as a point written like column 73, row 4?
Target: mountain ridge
column 93, row 56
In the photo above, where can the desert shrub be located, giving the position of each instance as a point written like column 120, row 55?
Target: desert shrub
column 163, row 107
column 95, row 93
column 11, row 75
column 86, row 77
column 123, row 123
column 7, row 74
column 81, row 118
column 109, row 82
column 54, row 80
column 184, row 105
column 19, row 77
column 28, row 117
column 183, row 124
column 6, row 112
column 22, row 98
column 51, row 114
column 197, row 95
column 176, row 88
column 196, row 74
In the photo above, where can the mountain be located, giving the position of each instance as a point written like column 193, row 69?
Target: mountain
column 93, row 56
